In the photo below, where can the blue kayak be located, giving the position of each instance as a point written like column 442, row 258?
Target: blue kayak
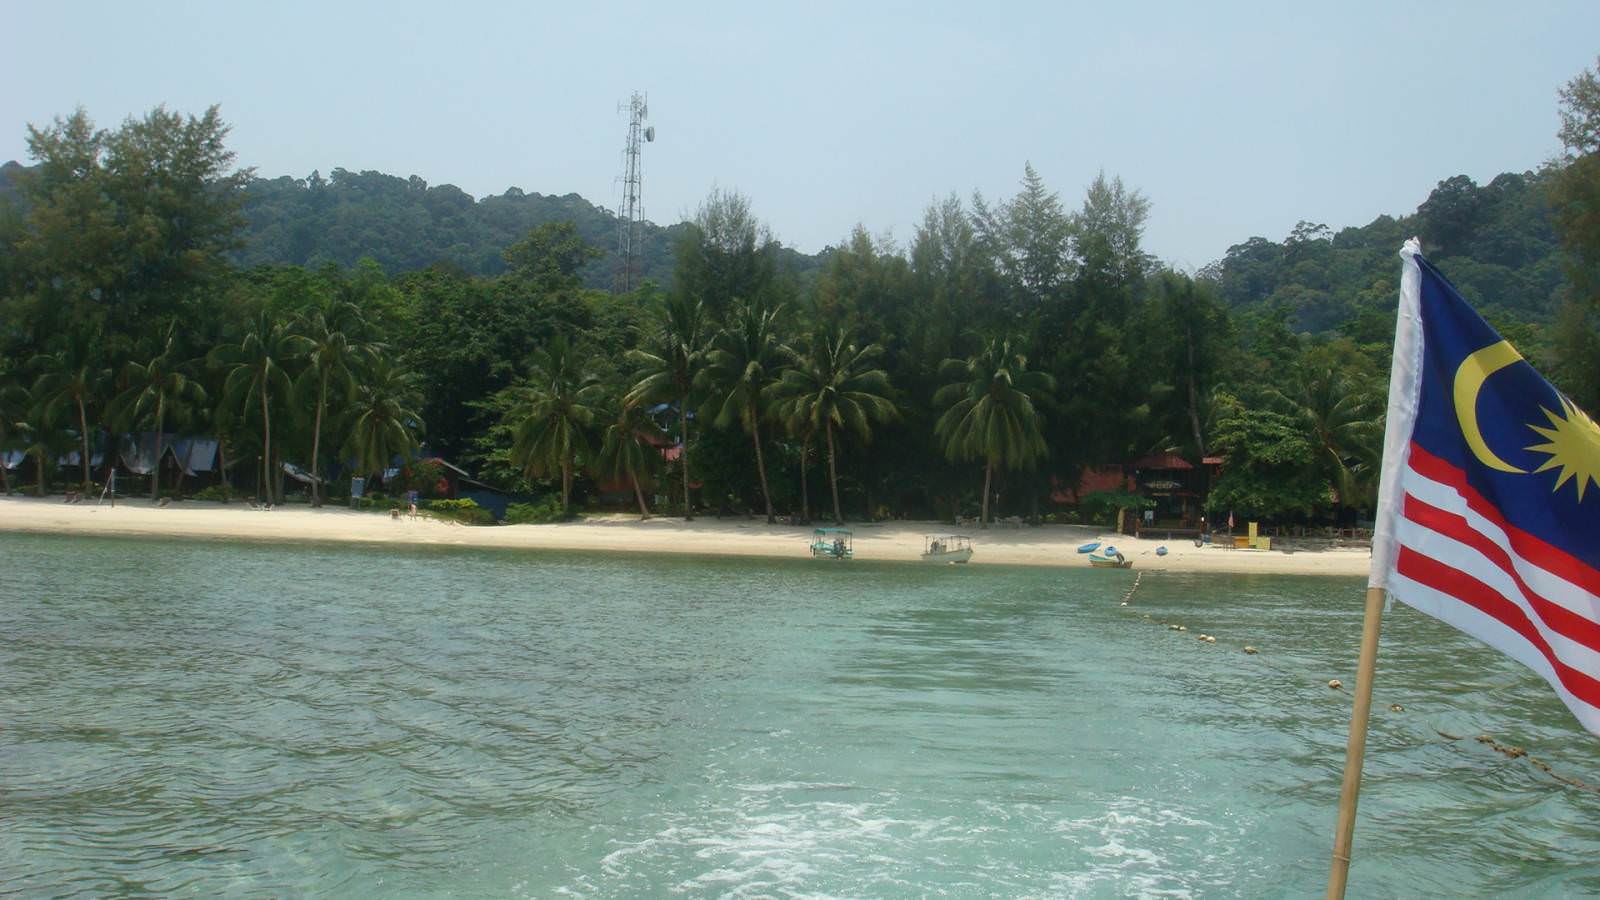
column 1089, row 547
column 1161, row 551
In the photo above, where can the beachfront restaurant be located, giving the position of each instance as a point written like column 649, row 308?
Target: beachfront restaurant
column 1176, row 490
column 1173, row 488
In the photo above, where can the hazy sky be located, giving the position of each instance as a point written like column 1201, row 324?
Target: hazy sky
column 1235, row 120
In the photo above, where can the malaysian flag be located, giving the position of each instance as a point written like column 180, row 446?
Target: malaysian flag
column 1489, row 510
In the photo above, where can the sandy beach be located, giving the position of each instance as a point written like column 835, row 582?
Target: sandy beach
column 1050, row 545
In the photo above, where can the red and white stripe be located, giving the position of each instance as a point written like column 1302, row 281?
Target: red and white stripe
column 1457, row 559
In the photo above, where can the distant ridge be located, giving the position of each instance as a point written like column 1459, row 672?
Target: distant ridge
column 405, row 224
column 1494, row 240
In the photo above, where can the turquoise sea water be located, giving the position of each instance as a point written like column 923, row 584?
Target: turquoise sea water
column 203, row 718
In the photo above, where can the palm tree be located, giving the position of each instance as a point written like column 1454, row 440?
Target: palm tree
column 151, row 386
column 13, row 412
column 226, row 420
column 71, row 378
column 670, row 369
column 991, row 411
column 330, row 357
column 740, row 366
column 40, row 446
column 383, row 420
column 42, row 436
column 831, row 386
column 550, row 415
column 806, row 433
column 626, row 451
column 1345, row 424
column 257, row 369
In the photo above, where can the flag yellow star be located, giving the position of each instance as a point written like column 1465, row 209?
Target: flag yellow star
column 1573, row 443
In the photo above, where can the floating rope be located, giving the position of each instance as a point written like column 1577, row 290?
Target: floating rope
column 1511, row 752
column 1508, row 751
column 1128, row 597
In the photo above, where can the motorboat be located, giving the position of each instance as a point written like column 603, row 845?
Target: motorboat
column 833, row 543
column 946, row 548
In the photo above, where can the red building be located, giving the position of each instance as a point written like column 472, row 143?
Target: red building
column 1176, row 487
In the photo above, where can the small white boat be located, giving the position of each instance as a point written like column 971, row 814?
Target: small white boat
column 1115, row 560
column 946, row 548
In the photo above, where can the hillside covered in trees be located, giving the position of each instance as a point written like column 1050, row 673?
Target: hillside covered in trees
column 1497, row 240
column 405, row 224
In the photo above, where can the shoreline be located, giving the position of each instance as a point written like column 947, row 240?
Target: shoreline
column 1045, row 546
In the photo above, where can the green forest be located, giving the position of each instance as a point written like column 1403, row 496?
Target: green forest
column 360, row 322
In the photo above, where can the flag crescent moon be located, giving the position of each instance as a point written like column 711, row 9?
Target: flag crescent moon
column 1470, row 376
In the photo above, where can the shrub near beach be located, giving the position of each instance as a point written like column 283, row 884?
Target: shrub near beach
column 534, row 513
column 464, row 511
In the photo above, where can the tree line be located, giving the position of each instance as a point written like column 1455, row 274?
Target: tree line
column 1009, row 346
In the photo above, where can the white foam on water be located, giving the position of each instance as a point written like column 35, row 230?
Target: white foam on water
column 1142, row 849
column 612, row 862
column 770, row 841
column 786, row 786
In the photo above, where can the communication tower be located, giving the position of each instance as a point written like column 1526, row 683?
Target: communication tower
column 630, row 213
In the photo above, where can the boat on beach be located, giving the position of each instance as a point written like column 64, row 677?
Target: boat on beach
column 1112, row 560
column 833, row 543
column 946, row 548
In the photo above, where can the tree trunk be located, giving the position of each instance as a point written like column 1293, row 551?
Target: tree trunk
column 266, row 442
column 638, row 492
column 83, row 435
column 222, row 464
column 683, row 458
column 566, row 489
column 155, row 470
column 1194, row 407
column 805, row 492
column 761, row 468
column 988, row 475
column 833, row 476
column 316, row 443
column 38, row 486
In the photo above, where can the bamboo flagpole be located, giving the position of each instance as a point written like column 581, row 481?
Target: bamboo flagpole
column 1355, row 750
column 1404, row 388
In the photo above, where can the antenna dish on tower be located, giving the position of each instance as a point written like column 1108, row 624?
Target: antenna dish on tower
column 650, row 134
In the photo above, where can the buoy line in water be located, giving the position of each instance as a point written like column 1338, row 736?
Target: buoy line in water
column 1334, row 684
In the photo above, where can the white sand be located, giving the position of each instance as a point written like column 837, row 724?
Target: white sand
column 1050, row 545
